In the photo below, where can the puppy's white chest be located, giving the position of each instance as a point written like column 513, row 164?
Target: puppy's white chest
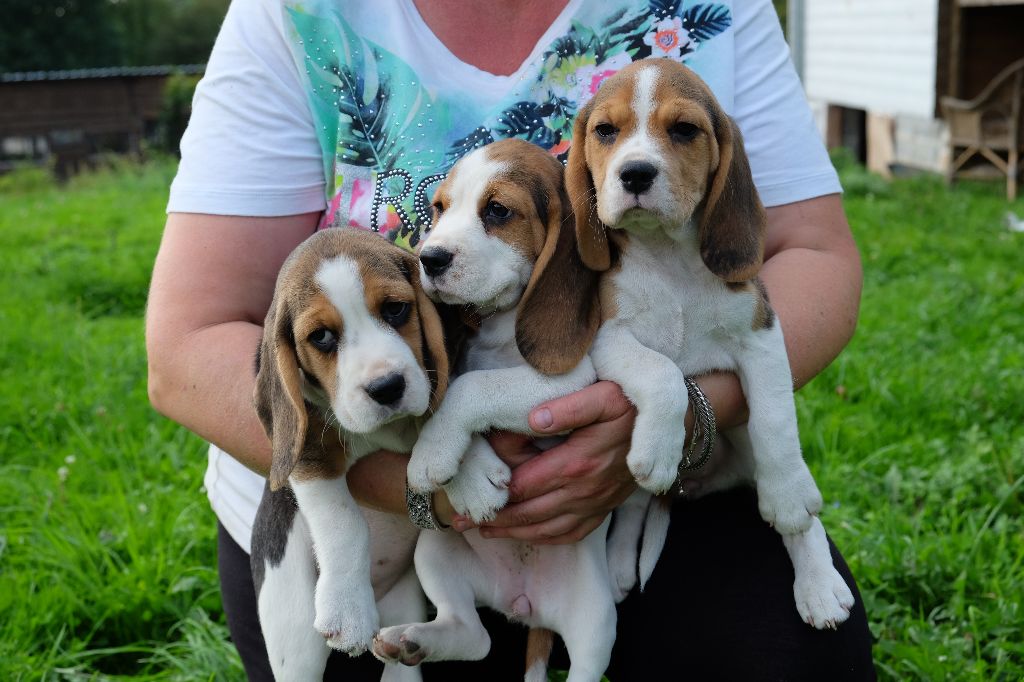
column 674, row 305
column 494, row 346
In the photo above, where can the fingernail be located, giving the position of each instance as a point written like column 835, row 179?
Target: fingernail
column 543, row 419
column 486, row 533
column 460, row 524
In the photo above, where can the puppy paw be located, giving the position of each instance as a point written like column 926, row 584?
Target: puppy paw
column 654, row 468
column 823, row 601
column 346, row 619
column 391, row 646
column 435, row 460
column 655, row 453
column 789, row 503
column 480, row 488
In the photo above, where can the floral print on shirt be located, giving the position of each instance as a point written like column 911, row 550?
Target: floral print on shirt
column 387, row 140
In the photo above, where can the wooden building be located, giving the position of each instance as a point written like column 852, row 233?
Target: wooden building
column 74, row 114
column 876, row 70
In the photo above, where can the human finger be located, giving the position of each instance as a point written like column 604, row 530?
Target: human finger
column 598, row 402
column 512, row 448
column 532, row 511
column 563, row 529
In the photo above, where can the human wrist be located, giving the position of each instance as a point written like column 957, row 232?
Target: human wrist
column 443, row 510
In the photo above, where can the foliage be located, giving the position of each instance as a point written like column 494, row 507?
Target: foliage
column 915, row 435
column 76, row 34
column 175, row 110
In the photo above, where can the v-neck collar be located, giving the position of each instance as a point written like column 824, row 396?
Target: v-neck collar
column 486, row 78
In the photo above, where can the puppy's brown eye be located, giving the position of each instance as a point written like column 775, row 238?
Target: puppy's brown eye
column 683, row 132
column 438, row 209
column 395, row 313
column 323, row 340
column 605, row 130
column 496, row 212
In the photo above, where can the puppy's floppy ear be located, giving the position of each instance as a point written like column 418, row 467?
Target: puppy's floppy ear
column 559, row 312
column 732, row 228
column 435, row 353
column 579, row 183
column 278, row 394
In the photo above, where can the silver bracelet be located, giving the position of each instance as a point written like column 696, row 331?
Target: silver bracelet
column 421, row 509
column 704, row 429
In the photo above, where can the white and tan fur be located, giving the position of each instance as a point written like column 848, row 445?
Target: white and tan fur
column 352, row 354
column 666, row 207
column 502, row 242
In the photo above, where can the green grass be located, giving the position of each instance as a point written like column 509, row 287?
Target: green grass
column 107, row 554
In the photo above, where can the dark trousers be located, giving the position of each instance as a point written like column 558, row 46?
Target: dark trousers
column 718, row 607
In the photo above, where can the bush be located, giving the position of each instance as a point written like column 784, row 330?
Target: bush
column 176, row 109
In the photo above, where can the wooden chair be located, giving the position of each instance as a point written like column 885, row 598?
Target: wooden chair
column 989, row 125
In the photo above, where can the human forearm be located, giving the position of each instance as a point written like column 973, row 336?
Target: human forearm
column 206, row 385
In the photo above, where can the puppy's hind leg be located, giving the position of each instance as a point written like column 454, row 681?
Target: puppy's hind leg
column 587, row 618
column 404, row 603
column 452, row 577
column 823, row 598
column 624, row 543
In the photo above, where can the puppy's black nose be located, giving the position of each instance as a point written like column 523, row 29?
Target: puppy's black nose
column 638, row 176
column 386, row 390
column 436, row 260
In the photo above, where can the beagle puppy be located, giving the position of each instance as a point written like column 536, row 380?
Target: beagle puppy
column 353, row 353
column 665, row 206
column 502, row 242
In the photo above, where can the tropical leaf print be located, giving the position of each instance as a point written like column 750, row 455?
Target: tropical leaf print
column 676, row 32
column 379, row 113
column 478, row 138
column 663, row 9
column 525, row 120
column 706, row 21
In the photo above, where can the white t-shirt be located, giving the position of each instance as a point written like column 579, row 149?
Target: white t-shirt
column 357, row 109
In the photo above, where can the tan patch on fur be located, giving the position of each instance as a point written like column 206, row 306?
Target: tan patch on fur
column 538, row 646
column 530, row 179
column 609, row 300
column 317, row 313
column 764, row 316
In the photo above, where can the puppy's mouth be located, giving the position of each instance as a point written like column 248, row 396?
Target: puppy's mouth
column 505, row 298
column 638, row 218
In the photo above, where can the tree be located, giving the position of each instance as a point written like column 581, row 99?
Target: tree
column 73, row 34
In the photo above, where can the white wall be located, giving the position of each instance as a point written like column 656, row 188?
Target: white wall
column 877, row 55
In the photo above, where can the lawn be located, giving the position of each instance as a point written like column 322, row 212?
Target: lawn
column 915, row 435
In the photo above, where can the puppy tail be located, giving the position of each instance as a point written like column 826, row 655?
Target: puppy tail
column 538, row 649
column 655, row 533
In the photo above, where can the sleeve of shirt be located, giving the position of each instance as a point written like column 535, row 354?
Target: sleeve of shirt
column 250, row 148
column 787, row 156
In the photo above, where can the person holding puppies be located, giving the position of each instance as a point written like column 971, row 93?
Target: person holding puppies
column 320, row 114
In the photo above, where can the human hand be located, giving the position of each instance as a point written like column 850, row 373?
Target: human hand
column 561, row 495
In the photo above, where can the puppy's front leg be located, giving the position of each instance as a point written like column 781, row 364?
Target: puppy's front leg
column 346, row 614
column 786, row 492
column 477, row 402
column 654, row 384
